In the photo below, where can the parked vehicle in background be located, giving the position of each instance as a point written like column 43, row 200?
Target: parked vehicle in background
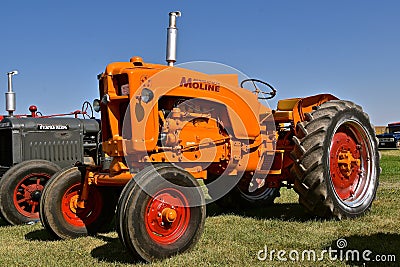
column 391, row 137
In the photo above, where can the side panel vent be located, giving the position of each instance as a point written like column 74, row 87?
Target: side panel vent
column 64, row 150
column 55, row 151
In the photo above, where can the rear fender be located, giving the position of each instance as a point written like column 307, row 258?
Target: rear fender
column 301, row 106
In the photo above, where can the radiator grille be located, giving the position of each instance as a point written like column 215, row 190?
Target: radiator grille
column 6, row 155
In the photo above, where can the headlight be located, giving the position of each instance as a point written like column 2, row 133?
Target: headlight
column 147, row 95
column 96, row 105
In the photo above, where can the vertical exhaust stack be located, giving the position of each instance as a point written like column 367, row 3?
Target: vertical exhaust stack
column 10, row 95
column 172, row 32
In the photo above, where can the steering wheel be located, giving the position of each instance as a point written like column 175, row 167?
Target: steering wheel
column 258, row 91
column 86, row 109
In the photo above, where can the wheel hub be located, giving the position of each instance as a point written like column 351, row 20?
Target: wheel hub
column 35, row 195
column 73, row 203
column 345, row 164
column 167, row 216
column 73, row 213
column 28, row 192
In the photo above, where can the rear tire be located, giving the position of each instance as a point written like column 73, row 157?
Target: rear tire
column 336, row 161
column 21, row 189
column 60, row 215
column 162, row 214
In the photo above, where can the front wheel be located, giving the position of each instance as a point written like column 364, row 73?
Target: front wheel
column 60, row 214
column 21, row 189
column 336, row 161
column 161, row 213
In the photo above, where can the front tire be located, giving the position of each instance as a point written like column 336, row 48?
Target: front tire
column 336, row 161
column 161, row 214
column 21, row 189
column 60, row 214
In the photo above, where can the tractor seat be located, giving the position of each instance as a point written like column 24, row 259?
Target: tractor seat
column 284, row 111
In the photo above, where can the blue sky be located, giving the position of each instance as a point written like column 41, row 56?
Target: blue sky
column 347, row 48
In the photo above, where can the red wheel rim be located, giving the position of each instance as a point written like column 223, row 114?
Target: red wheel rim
column 77, row 216
column 27, row 194
column 347, row 158
column 167, row 216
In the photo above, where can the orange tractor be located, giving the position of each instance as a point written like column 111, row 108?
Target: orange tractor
column 165, row 127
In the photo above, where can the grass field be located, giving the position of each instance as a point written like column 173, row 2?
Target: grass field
column 236, row 240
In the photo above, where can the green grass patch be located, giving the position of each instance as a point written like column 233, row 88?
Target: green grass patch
column 234, row 239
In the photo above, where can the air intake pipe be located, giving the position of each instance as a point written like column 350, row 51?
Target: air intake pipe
column 172, row 33
column 10, row 95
